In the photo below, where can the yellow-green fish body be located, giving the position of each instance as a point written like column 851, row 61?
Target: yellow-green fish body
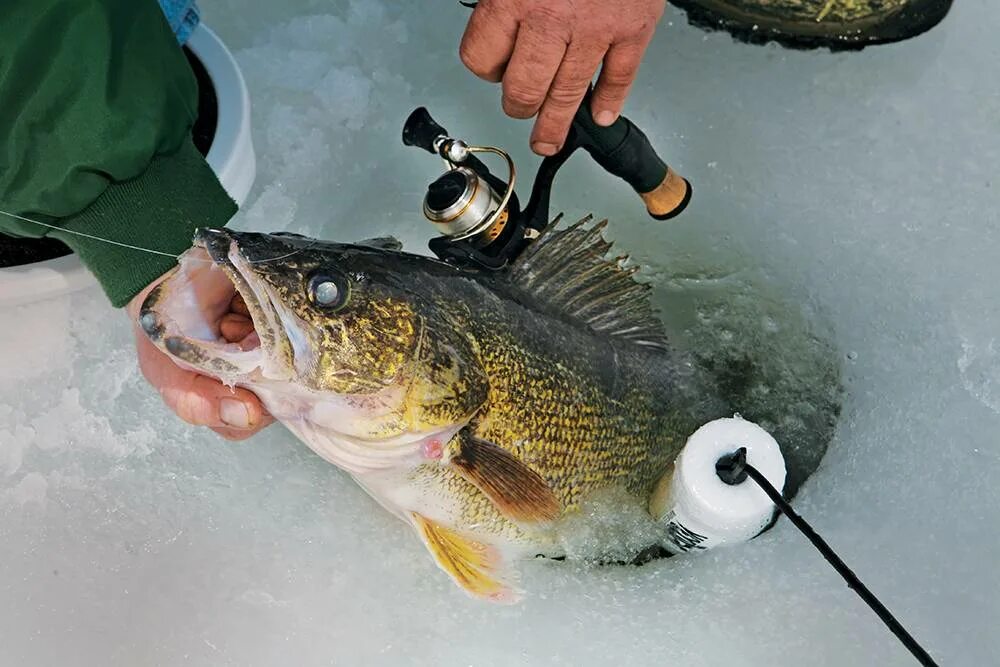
column 494, row 412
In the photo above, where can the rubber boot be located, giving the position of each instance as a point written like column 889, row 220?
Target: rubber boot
column 834, row 24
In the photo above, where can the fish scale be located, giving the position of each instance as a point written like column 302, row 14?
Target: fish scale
column 561, row 418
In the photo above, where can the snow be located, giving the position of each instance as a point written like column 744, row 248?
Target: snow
column 845, row 216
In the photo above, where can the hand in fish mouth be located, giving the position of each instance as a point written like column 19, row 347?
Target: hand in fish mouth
column 236, row 326
column 198, row 399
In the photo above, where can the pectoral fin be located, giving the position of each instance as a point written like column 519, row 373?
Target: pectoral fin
column 520, row 493
column 476, row 567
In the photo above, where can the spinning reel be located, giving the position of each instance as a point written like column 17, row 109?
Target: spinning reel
column 480, row 217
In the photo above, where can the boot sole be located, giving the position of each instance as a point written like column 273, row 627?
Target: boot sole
column 912, row 20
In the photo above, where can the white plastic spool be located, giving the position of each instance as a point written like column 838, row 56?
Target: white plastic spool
column 231, row 156
column 699, row 509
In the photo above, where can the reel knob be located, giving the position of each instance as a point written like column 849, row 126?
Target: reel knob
column 422, row 131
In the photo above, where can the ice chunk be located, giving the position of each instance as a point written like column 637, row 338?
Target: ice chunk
column 31, row 489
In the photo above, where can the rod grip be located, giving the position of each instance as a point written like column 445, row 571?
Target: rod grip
column 669, row 198
column 623, row 150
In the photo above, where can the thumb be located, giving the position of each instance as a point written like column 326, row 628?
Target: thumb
column 198, row 399
column 204, row 401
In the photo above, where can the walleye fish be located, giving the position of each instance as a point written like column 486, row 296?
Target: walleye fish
column 484, row 409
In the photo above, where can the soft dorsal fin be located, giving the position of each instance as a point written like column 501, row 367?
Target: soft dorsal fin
column 568, row 270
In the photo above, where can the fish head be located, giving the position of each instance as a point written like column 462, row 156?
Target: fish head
column 351, row 339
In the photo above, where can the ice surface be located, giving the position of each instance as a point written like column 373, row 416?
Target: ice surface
column 850, row 197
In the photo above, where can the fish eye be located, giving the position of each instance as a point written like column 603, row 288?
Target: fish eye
column 328, row 291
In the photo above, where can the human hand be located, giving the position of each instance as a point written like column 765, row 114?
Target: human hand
column 546, row 53
column 235, row 414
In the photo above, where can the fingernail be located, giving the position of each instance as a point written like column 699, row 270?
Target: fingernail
column 234, row 413
column 543, row 148
column 604, row 118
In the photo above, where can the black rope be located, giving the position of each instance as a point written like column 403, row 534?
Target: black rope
column 733, row 469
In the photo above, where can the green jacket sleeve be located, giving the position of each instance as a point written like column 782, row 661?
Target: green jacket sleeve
column 97, row 102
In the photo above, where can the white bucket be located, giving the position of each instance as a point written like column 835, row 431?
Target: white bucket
column 231, row 156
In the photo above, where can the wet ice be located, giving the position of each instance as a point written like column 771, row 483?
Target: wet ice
column 844, row 205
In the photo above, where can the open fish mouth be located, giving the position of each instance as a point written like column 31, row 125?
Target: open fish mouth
column 181, row 315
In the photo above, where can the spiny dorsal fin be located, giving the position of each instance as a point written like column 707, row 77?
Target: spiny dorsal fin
column 382, row 243
column 568, row 270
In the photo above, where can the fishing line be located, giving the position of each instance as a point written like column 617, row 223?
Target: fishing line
column 733, row 469
column 147, row 250
column 91, row 236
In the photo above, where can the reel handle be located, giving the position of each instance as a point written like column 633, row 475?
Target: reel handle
column 421, row 130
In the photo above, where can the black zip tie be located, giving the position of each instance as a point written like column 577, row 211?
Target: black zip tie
column 734, row 469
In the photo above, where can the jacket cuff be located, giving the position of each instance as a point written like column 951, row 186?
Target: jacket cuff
column 159, row 210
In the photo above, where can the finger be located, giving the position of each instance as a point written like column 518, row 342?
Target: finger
column 564, row 97
column 235, row 327
column 234, row 434
column 204, row 401
column 488, row 41
column 195, row 398
column 621, row 64
column 238, row 305
column 531, row 69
